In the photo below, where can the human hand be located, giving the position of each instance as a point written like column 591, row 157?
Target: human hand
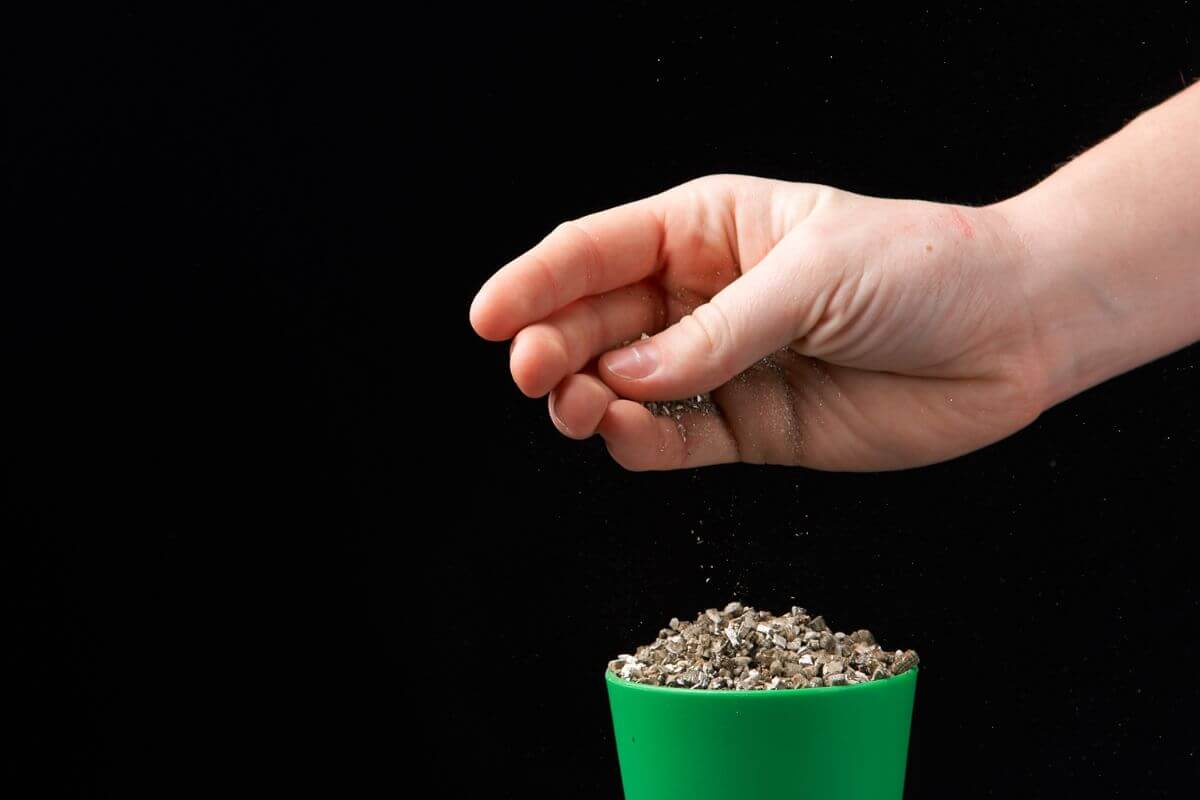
column 833, row 330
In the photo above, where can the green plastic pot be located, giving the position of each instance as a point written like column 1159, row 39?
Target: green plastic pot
column 832, row 743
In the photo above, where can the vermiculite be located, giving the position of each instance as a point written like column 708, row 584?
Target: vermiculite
column 743, row 648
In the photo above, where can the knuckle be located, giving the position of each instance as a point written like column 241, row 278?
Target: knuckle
column 560, row 348
column 585, row 245
column 712, row 180
column 548, row 278
column 594, row 329
column 714, row 334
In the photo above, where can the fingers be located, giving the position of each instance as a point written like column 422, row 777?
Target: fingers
column 594, row 254
column 639, row 441
column 546, row 352
column 582, row 406
column 755, row 315
column 578, row 405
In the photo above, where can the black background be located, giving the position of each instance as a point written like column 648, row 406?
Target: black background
column 277, row 519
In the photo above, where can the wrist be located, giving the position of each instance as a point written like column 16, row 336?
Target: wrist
column 1066, row 314
column 1110, row 250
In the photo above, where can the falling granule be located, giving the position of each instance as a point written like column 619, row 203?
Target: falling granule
column 742, row 648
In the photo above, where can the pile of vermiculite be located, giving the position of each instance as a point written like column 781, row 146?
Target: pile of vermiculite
column 743, row 648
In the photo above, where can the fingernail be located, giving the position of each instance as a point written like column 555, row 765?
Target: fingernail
column 634, row 363
column 554, row 412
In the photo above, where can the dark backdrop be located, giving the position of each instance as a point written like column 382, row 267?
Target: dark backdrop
column 276, row 518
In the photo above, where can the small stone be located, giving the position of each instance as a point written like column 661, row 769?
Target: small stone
column 904, row 662
column 862, row 636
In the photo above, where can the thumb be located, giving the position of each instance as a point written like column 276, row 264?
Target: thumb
column 750, row 318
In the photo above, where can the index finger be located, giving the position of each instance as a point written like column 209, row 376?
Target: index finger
column 593, row 254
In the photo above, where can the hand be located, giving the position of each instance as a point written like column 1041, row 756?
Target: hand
column 833, row 330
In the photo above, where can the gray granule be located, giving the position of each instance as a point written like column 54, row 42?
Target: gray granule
column 740, row 647
column 701, row 404
column 675, row 409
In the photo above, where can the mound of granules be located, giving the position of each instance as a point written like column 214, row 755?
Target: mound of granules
column 743, row 648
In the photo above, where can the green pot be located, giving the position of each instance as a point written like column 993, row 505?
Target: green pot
column 831, row 743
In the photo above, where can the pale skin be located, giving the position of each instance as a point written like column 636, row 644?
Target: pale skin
column 843, row 332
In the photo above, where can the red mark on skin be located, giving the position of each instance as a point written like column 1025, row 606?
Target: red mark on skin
column 961, row 223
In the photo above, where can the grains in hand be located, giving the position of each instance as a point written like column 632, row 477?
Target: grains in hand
column 675, row 409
